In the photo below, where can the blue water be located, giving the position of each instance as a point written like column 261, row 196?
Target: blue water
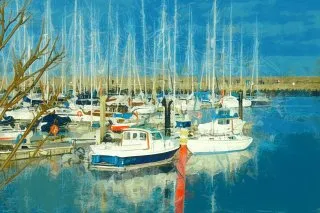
column 280, row 172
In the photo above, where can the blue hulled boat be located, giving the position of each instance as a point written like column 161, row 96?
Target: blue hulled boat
column 138, row 148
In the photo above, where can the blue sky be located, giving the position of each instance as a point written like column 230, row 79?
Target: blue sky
column 289, row 30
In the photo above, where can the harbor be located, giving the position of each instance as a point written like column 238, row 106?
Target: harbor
column 168, row 106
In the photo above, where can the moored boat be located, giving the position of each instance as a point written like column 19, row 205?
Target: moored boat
column 217, row 144
column 139, row 147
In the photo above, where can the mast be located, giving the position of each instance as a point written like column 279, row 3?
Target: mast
column 230, row 51
column 241, row 59
column 163, row 25
column 81, row 53
column 144, row 47
column 214, row 48
column 175, row 59
column 190, row 50
column 117, row 53
column 257, row 55
column 64, row 42
column 74, row 49
column 109, row 44
column 207, row 57
column 92, row 62
column 154, row 69
column 223, row 59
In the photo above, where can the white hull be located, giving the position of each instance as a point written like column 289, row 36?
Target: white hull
column 142, row 110
column 232, row 102
column 216, row 144
column 22, row 114
column 8, row 134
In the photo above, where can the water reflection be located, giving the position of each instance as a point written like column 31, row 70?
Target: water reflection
column 214, row 164
column 151, row 187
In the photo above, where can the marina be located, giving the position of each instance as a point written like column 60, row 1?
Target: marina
column 165, row 106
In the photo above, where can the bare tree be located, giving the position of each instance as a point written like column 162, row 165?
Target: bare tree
column 10, row 23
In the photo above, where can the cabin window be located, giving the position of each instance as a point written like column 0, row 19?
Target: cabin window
column 143, row 136
column 126, row 136
column 156, row 136
column 223, row 121
column 134, row 135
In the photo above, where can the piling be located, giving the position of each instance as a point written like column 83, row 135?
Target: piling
column 240, row 99
column 167, row 117
column 102, row 117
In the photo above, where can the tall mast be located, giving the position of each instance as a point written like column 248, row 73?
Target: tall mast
column 190, row 50
column 214, row 47
column 223, row 52
column 117, row 52
column 207, row 57
column 92, row 61
column 64, row 43
column 81, row 53
column 154, row 69
column 74, row 49
column 109, row 48
column 241, row 58
column 230, row 51
column 144, row 47
column 257, row 54
column 163, row 25
column 48, row 34
column 175, row 58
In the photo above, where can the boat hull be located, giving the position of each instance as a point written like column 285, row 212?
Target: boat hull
column 218, row 144
column 121, row 162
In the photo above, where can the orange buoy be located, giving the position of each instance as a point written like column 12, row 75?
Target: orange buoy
column 79, row 113
column 54, row 129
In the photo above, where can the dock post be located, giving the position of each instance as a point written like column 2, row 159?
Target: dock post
column 240, row 104
column 167, row 112
column 102, row 117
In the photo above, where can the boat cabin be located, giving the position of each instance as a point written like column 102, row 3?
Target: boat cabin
column 133, row 139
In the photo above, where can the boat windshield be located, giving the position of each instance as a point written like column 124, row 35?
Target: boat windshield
column 156, row 136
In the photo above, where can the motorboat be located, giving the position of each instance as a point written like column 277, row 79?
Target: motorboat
column 139, row 147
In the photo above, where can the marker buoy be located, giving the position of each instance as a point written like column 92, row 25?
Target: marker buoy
column 54, row 129
column 79, row 113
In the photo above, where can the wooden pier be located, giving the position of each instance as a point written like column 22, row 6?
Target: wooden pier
column 48, row 150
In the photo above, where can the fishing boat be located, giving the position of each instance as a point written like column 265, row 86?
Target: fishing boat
column 139, row 147
column 217, row 144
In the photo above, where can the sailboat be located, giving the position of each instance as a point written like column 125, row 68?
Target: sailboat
column 230, row 101
column 259, row 99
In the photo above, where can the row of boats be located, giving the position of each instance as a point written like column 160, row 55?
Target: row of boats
column 133, row 138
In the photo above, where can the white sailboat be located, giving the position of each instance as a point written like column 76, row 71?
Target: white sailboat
column 230, row 101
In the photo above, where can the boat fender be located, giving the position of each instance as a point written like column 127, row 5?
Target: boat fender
column 18, row 139
column 54, row 129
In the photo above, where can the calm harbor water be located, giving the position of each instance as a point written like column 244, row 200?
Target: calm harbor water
column 280, row 172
